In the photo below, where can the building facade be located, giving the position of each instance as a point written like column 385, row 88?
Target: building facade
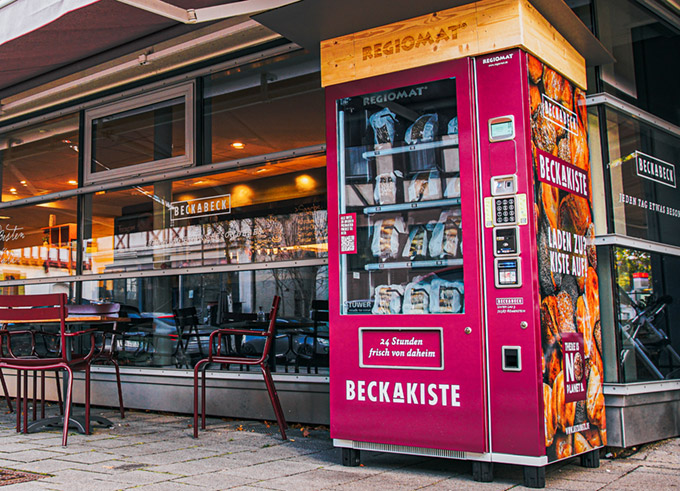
column 164, row 165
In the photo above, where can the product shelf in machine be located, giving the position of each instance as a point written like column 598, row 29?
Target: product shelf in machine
column 428, row 263
column 452, row 141
column 416, row 205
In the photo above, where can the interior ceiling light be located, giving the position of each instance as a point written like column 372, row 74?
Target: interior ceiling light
column 238, row 145
column 12, row 190
column 73, row 182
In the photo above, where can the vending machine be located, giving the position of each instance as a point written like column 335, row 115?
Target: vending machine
column 464, row 315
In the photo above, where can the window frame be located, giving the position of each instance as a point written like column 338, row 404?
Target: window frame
column 185, row 90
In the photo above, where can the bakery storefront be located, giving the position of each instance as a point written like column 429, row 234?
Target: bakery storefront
column 205, row 190
column 184, row 165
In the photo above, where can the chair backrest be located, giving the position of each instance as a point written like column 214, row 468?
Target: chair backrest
column 319, row 311
column 271, row 326
column 35, row 309
column 185, row 317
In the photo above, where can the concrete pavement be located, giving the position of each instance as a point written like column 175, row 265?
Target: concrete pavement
column 151, row 451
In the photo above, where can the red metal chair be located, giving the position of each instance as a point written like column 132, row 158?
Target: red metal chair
column 107, row 351
column 215, row 356
column 42, row 309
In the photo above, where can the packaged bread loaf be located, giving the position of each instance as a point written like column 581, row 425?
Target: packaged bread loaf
column 416, row 244
column 385, row 191
column 417, row 298
column 387, row 299
column 424, row 129
column 446, row 236
column 383, row 124
column 446, row 297
column 385, row 242
column 424, row 186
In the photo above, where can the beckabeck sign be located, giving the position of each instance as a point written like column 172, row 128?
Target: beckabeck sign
column 654, row 169
column 201, row 207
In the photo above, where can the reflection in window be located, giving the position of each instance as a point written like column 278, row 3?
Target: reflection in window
column 260, row 112
column 40, row 159
column 38, row 240
column 133, row 137
column 645, row 72
column 649, row 337
column 642, row 163
column 137, row 134
column 271, row 212
column 218, row 298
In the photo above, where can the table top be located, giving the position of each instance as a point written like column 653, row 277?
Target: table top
column 90, row 319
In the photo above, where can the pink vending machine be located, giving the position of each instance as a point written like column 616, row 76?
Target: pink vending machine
column 463, row 295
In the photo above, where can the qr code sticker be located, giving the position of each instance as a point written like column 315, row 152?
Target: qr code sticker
column 347, row 243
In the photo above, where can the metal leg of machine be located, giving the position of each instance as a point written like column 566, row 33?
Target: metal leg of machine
column 591, row 459
column 351, row 457
column 534, row 477
column 482, row 471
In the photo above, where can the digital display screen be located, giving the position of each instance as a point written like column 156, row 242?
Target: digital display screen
column 502, row 130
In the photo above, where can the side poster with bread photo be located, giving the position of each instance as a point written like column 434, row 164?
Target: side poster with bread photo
column 570, row 312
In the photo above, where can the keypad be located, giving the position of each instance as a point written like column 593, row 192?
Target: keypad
column 505, row 210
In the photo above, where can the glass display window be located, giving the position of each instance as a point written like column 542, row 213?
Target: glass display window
column 139, row 134
column 647, row 317
column 148, row 303
column 40, row 159
column 39, row 241
column 270, row 212
column 262, row 109
column 400, row 201
column 645, row 71
column 644, row 185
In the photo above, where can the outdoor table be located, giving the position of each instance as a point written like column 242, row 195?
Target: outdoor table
column 74, row 320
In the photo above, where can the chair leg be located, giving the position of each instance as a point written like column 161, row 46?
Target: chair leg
column 42, row 394
column 87, row 399
column 6, row 392
column 59, row 398
column 35, row 395
column 274, row 397
column 18, row 401
column 25, row 404
column 120, row 388
column 197, row 368
column 203, row 398
column 67, row 405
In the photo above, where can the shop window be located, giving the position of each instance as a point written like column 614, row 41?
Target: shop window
column 149, row 303
column 646, row 71
column 38, row 241
column 269, row 212
column 642, row 172
column 40, row 159
column 140, row 135
column 647, row 316
column 262, row 109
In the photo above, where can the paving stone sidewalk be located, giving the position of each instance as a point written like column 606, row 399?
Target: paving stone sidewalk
column 151, row 451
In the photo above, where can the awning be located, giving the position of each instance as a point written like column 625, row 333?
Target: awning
column 40, row 37
column 309, row 22
column 44, row 40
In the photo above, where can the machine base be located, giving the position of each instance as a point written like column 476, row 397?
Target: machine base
column 482, row 464
column 534, row 477
column 482, row 471
column 591, row 459
column 351, row 457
